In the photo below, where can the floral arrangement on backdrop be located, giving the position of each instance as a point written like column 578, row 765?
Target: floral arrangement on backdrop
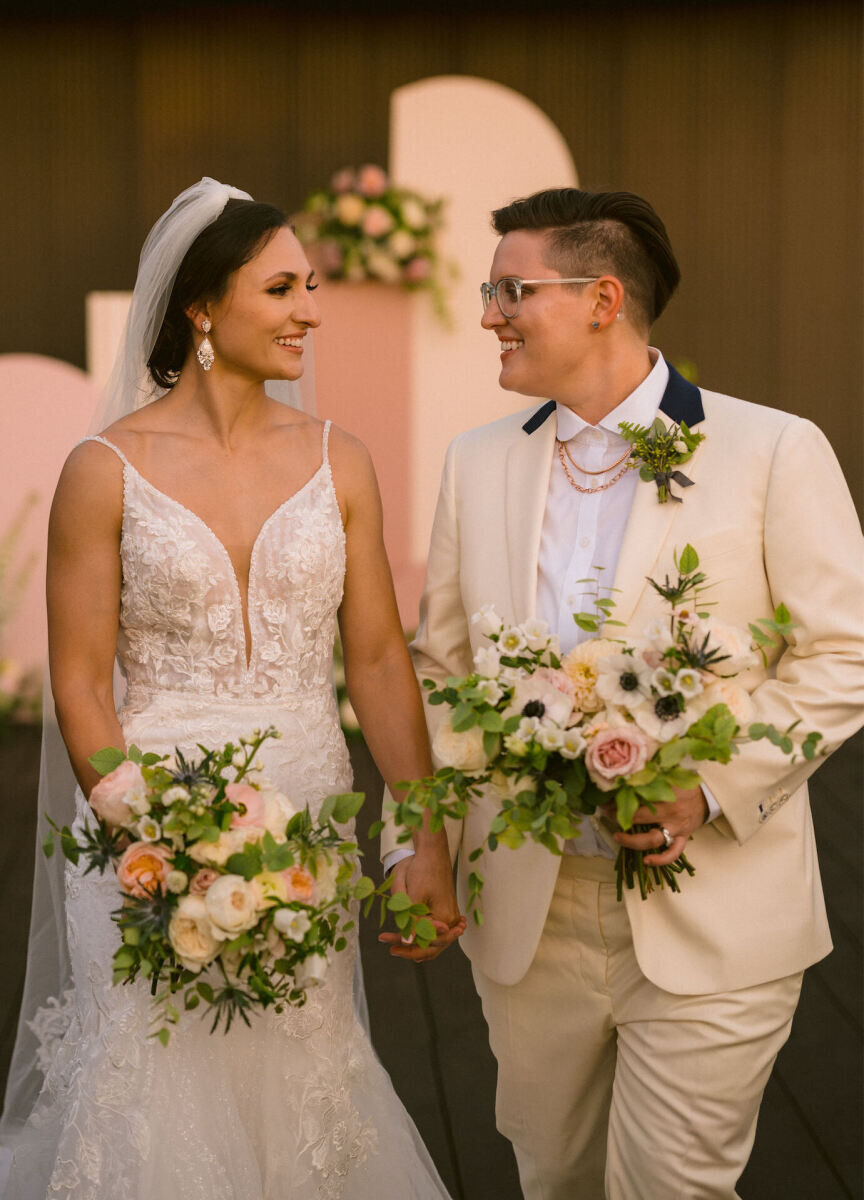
column 364, row 227
column 595, row 734
column 228, row 894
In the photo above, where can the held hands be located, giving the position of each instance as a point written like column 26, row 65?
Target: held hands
column 427, row 877
column 681, row 819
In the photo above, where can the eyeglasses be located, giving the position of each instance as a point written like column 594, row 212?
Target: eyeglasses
column 508, row 292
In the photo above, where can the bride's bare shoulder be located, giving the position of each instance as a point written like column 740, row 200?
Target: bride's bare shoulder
column 91, row 480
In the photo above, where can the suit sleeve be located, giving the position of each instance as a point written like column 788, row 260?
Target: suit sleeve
column 814, row 561
column 442, row 646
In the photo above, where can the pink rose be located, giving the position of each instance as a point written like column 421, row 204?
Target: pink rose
column 143, row 867
column 372, row 180
column 251, row 802
column 343, row 181
column 110, row 798
column 203, row 880
column 377, row 221
column 619, row 750
column 417, row 270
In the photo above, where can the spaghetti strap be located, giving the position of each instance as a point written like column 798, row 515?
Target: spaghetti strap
column 110, row 445
column 325, row 461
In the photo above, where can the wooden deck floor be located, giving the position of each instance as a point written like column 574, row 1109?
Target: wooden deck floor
column 430, row 1034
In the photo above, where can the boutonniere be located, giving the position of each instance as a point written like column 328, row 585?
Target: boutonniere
column 659, row 451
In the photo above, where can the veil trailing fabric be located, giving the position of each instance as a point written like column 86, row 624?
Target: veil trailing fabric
column 47, row 996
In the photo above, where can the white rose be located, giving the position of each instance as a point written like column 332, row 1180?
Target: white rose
column 191, row 934
column 733, row 643
column 413, row 214
column 216, row 854
column 311, row 971
column 231, row 904
column 733, row 696
column 464, row 751
column 278, row 811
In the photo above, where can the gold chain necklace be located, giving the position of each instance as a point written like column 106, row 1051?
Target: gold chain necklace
column 589, row 491
column 603, row 470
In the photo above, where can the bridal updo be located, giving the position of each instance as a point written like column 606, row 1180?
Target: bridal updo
column 242, row 229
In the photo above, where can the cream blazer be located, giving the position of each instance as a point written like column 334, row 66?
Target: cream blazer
column 772, row 520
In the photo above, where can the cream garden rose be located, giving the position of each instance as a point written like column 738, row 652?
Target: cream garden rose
column 231, row 905
column 191, row 934
column 464, row 750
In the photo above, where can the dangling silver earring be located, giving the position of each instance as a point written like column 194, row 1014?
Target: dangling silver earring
column 204, row 353
column 619, row 316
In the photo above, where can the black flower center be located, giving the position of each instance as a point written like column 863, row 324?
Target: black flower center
column 534, row 708
column 629, row 681
column 666, row 708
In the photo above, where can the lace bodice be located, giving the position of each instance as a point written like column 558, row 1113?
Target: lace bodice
column 181, row 611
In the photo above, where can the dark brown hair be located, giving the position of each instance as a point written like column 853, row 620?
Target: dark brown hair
column 602, row 233
column 238, row 233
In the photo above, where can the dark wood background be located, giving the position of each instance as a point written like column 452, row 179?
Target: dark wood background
column 740, row 122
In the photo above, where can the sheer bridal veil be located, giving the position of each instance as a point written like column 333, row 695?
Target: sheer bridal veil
column 46, row 1002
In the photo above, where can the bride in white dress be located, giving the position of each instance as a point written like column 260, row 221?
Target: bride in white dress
column 211, row 538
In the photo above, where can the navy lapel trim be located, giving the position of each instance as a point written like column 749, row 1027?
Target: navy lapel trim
column 536, row 420
column 682, row 401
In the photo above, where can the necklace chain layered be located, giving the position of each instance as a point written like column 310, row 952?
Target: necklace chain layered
column 564, row 454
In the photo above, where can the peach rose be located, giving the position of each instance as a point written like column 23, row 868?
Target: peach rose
column 191, row 934
column 143, row 868
column 621, row 750
column 120, row 794
column 251, row 802
column 300, row 884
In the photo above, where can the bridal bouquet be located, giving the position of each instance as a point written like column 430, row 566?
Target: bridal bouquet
column 609, row 727
column 230, row 895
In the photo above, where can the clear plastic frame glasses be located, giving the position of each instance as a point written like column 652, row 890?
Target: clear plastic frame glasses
column 508, row 291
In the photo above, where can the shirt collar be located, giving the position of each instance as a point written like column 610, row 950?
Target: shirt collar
column 639, row 408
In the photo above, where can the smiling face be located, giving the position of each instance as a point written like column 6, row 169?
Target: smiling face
column 259, row 325
column 544, row 348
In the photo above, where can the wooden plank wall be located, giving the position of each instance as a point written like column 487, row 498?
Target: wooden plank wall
column 740, row 122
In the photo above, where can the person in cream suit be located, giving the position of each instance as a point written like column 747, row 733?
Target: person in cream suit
column 634, row 1040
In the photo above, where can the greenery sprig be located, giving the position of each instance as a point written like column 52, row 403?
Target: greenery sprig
column 660, row 450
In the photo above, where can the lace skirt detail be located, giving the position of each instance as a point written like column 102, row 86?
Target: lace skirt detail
column 295, row 1105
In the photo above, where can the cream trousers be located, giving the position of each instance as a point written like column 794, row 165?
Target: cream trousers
column 609, row 1086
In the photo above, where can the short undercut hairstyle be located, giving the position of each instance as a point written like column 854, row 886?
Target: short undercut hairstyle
column 602, row 233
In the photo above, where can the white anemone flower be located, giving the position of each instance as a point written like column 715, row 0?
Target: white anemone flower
column 624, row 680
column 662, row 719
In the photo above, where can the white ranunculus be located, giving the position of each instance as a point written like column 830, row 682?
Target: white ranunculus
column 192, row 935
column 231, row 904
column 311, row 971
column 463, row 751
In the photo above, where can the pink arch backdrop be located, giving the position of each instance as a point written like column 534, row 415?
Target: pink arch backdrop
column 386, row 369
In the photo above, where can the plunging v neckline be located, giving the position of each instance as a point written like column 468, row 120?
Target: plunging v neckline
column 245, row 623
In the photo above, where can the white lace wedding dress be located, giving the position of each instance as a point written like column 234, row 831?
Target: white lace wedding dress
column 297, row 1105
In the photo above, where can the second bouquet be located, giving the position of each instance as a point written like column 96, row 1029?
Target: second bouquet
column 593, row 735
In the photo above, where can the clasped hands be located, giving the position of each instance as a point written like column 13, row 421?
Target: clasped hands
column 427, row 877
column 681, row 817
